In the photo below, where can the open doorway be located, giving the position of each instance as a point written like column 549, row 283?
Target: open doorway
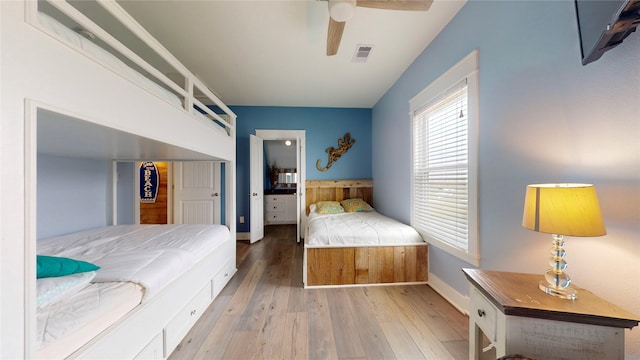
column 184, row 192
column 288, row 180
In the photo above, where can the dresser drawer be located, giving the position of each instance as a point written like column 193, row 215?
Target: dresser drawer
column 275, row 217
column 275, row 208
column 273, row 199
column 484, row 313
column 153, row 350
column 222, row 277
column 182, row 322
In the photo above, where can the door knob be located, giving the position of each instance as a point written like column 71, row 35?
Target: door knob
column 215, row 194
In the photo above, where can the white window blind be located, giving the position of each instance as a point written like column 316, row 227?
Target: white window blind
column 444, row 181
column 441, row 160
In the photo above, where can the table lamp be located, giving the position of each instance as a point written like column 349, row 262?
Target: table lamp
column 562, row 209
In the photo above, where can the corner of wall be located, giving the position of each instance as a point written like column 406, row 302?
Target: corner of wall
column 456, row 299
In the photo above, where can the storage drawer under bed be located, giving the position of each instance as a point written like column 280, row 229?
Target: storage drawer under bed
column 153, row 350
column 222, row 277
column 182, row 322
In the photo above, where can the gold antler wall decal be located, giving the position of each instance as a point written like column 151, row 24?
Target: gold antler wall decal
column 344, row 144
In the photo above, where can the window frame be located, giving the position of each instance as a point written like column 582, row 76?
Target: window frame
column 467, row 69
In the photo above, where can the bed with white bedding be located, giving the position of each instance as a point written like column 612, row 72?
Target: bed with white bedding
column 137, row 262
column 66, row 325
column 357, row 246
column 358, row 229
column 68, row 23
column 91, row 48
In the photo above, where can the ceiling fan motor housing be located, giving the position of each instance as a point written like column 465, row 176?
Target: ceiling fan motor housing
column 342, row 10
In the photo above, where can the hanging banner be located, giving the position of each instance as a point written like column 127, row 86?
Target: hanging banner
column 149, row 182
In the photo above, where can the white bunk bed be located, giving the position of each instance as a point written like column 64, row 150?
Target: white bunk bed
column 138, row 263
column 71, row 24
column 75, row 100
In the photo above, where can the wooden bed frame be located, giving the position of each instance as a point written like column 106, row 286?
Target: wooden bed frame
column 361, row 265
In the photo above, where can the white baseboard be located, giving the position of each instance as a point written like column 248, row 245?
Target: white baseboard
column 456, row 299
column 243, row 236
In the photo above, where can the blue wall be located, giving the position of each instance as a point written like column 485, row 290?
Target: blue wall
column 126, row 192
column 543, row 118
column 72, row 195
column 324, row 126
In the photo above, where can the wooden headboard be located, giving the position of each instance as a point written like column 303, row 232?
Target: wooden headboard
column 337, row 190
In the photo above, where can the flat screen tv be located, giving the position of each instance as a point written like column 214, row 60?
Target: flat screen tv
column 603, row 24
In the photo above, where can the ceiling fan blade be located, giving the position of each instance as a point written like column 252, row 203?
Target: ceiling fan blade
column 334, row 36
column 408, row 5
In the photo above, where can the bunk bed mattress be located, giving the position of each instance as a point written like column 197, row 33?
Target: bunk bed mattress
column 136, row 262
column 358, row 229
column 150, row 255
column 68, row 324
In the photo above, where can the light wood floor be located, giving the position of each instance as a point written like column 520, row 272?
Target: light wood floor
column 264, row 313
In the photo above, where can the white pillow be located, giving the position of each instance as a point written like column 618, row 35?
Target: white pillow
column 313, row 208
column 53, row 289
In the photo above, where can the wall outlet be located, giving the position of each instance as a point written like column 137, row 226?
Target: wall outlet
column 241, row 219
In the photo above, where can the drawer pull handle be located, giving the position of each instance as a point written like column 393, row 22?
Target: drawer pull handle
column 481, row 313
column 193, row 312
column 226, row 274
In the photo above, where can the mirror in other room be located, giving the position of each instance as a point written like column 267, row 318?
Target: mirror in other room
column 280, row 160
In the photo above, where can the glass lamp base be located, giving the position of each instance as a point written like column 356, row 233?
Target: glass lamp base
column 564, row 293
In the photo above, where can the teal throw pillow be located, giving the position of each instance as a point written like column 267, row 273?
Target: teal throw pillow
column 51, row 266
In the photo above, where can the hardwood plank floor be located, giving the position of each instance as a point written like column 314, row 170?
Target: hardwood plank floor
column 264, row 313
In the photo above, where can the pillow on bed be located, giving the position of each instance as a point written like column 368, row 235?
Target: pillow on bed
column 51, row 266
column 355, row 205
column 329, row 207
column 53, row 289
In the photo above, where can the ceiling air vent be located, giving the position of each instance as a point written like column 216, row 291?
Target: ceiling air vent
column 362, row 53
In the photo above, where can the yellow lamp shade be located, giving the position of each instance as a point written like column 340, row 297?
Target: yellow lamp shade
column 564, row 209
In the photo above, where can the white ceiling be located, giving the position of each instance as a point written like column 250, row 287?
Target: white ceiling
column 272, row 53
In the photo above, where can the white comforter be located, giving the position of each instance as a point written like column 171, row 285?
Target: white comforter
column 150, row 255
column 66, row 325
column 358, row 228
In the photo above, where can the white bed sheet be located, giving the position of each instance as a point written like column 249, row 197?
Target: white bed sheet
column 65, row 326
column 150, row 255
column 358, row 229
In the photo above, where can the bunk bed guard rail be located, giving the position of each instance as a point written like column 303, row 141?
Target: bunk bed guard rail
column 193, row 88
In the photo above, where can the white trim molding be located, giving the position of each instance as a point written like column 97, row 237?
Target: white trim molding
column 456, row 299
column 243, row 236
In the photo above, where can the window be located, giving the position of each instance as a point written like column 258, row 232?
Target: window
column 444, row 179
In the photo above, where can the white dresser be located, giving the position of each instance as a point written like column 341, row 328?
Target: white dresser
column 280, row 209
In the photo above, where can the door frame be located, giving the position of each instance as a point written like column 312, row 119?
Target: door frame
column 300, row 136
column 256, row 188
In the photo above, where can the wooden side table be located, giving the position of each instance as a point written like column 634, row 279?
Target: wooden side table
column 518, row 318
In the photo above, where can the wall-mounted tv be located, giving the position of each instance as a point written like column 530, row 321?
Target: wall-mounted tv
column 603, row 24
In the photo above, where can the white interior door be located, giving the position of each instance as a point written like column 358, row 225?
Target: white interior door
column 196, row 192
column 299, row 188
column 300, row 137
column 256, row 189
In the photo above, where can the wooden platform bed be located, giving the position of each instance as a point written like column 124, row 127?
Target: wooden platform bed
column 358, row 265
